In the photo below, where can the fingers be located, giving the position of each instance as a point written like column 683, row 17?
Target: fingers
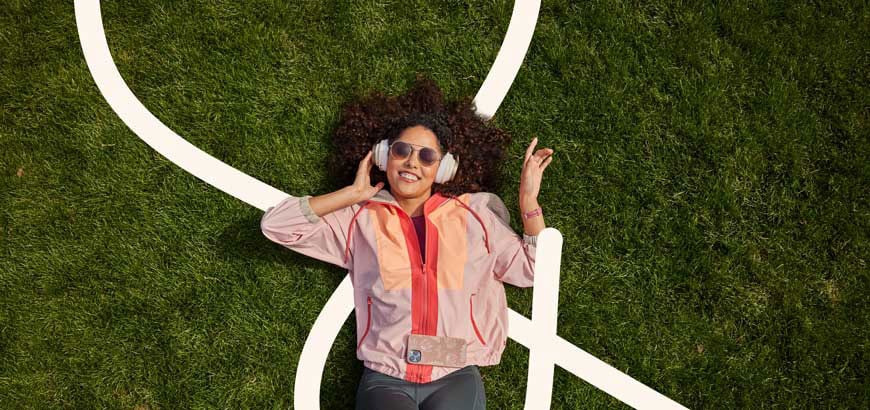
column 540, row 154
column 546, row 162
column 547, row 154
column 366, row 163
column 530, row 149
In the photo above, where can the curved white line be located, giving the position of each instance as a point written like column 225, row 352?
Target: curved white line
column 509, row 59
column 541, row 339
column 150, row 129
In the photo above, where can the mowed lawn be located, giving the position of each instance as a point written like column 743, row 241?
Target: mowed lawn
column 710, row 180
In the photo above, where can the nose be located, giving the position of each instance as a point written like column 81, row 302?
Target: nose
column 415, row 161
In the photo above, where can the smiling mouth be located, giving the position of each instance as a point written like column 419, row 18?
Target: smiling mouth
column 408, row 180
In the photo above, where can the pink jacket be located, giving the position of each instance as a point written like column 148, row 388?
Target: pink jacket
column 470, row 250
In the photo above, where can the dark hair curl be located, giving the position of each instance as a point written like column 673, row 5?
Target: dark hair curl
column 474, row 142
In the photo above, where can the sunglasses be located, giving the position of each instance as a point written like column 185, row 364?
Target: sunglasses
column 402, row 150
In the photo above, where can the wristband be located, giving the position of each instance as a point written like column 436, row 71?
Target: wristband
column 532, row 213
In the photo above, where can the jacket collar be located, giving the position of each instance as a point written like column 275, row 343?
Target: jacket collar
column 385, row 197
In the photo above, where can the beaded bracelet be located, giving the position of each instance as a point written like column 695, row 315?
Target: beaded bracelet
column 534, row 212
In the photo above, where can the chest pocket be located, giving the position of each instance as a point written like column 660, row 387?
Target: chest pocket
column 451, row 224
column 392, row 249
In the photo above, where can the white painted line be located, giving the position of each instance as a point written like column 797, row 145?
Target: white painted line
column 545, row 307
column 509, row 59
column 150, row 129
column 539, row 336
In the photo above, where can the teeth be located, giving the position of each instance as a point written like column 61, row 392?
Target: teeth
column 409, row 176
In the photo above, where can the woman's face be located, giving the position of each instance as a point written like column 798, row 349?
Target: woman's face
column 401, row 187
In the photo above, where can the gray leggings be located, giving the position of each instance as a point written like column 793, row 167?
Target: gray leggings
column 460, row 390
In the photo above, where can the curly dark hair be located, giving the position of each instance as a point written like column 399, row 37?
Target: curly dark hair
column 475, row 142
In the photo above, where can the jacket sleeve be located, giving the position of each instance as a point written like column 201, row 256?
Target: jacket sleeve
column 294, row 225
column 514, row 255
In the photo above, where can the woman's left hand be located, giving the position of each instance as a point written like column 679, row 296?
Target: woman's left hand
column 533, row 169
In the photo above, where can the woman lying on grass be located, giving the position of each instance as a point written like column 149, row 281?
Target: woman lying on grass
column 427, row 247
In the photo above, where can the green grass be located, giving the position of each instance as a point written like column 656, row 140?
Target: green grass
column 710, row 180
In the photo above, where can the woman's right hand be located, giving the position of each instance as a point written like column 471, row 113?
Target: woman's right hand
column 362, row 185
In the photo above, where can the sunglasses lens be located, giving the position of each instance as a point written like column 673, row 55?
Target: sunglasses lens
column 401, row 150
column 428, row 156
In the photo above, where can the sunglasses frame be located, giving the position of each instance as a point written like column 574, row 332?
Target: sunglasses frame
column 390, row 152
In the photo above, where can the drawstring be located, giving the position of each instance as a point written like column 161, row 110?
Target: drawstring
column 485, row 232
column 350, row 230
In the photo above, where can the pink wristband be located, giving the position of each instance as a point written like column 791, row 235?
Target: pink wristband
column 534, row 212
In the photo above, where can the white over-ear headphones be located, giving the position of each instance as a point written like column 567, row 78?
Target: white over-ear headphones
column 446, row 170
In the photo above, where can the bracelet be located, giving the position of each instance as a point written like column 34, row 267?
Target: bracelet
column 534, row 212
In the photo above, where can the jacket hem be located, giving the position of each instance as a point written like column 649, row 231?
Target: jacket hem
column 490, row 360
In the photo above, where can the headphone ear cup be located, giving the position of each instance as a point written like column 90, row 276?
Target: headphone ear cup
column 379, row 156
column 447, row 169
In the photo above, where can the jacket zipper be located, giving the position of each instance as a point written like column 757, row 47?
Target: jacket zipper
column 425, row 278
column 368, row 322
column 473, row 324
column 423, row 264
column 425, row 283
